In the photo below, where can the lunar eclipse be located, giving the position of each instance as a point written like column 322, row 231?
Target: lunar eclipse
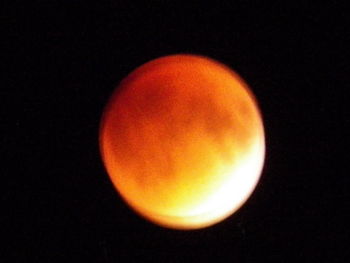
column 182, row 140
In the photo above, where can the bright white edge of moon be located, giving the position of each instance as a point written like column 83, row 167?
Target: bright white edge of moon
column 234, row 192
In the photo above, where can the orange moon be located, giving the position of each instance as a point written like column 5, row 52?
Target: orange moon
column 182, row 140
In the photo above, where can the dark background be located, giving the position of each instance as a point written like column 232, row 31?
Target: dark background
column 63, row 59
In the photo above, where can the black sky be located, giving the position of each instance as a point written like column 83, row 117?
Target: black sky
column 63, row 59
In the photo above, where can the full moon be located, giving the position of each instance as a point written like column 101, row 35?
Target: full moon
column 182, row 140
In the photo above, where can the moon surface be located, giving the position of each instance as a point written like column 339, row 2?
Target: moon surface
column 182, row 140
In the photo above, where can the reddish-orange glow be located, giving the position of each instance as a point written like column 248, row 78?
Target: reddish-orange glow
column 183, row 141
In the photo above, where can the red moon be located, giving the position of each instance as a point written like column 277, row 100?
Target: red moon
column 182, row 140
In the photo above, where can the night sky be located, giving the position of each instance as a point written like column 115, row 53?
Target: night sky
column 63, row 59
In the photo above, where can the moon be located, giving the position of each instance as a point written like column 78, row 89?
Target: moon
column 182, row 140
